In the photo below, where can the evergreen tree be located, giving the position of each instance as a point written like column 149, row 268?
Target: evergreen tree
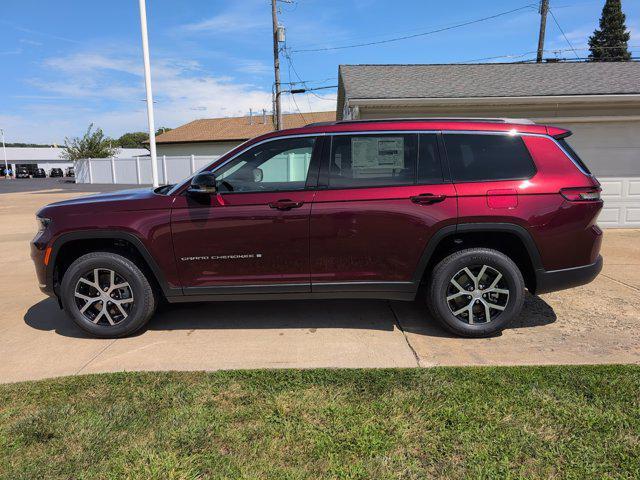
column 609, row 42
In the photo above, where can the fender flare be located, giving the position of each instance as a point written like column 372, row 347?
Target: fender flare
column 521, row 232
column 65, row 238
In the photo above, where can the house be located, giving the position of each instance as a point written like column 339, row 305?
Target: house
column 599, row 102
column 216, row 136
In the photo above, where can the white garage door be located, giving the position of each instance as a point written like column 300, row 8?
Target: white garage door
column 621, row 202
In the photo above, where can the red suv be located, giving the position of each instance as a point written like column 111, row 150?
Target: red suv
column 473, row 210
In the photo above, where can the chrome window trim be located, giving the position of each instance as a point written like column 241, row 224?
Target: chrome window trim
column 386, row 132
column 272, row 139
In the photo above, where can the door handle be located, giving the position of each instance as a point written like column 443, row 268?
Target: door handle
column 427, row 198
column 285, row 204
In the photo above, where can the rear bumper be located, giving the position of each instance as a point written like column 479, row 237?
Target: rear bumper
column 554, row 280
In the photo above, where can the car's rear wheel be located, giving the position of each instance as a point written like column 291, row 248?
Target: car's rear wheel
column 107, row 295
column 476, row 292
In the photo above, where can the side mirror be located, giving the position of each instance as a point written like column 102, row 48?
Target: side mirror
column 203, row 183
column 258, row 175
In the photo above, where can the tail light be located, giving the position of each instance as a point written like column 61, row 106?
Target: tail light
column 581, row 194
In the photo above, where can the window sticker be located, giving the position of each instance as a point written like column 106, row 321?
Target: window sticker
column 377, row 153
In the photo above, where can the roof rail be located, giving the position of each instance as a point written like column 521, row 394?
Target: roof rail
column 521, row 121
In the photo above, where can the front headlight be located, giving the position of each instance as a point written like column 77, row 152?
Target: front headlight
column 43, row 223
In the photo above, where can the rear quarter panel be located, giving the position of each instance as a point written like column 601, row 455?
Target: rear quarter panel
column 563, row 231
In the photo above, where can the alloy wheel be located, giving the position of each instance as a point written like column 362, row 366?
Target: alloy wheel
column 477, row 294
column 103, row 297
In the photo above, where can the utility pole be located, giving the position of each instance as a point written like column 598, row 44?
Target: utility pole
column 544, row 8
column 147, row 83
column 276, row 67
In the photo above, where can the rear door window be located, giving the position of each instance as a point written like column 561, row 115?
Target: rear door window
column 429, row 166
column 372, row 160
column 487, row 157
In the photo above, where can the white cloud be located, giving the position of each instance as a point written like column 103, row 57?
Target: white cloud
column 241, row 16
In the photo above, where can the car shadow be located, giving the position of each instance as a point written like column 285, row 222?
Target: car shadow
column 414, row 317
column 305, row 314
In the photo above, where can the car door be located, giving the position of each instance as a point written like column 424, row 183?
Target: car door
column 380, row 199
column 253, row 235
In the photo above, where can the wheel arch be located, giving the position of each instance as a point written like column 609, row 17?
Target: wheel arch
column 70, row 246
column 509, row 238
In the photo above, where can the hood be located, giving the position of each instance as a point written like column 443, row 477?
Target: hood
column 122, row 200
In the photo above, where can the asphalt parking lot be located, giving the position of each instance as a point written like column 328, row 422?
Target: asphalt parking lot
column 597, row 323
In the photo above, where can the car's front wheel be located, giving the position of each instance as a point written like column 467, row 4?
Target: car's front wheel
column 476, row 292
column 107, row 295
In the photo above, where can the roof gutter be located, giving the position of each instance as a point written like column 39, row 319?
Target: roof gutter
column 467, row 101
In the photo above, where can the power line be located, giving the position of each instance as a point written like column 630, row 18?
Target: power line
column 562, row 31
column 406, row 37
column 520, row 55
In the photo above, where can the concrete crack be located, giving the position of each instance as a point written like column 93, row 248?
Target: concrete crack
column 621, row 283
column 404, row 334
column 95, row 356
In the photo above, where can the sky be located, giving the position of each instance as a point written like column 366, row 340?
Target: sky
column 67, row 63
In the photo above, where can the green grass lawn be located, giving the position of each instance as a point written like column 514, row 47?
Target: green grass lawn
column 523, row 422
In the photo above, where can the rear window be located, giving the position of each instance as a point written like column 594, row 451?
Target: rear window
column 484, row 157
column 574, row 156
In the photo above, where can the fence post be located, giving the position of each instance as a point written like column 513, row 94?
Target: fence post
column 138, row 170
column 113, row 170
column 193, row 164
column 164, row 169
column 90, row 171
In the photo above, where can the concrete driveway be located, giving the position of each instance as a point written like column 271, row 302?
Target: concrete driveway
column 597, row 323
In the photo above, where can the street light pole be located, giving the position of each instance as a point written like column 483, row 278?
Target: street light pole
column 4, row 150
column 147, row 83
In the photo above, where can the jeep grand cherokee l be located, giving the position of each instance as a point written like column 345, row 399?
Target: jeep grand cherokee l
column 474, row 211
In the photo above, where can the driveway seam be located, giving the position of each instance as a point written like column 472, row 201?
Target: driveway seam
column 95, row 356
column 404, row 334
column 620, row 282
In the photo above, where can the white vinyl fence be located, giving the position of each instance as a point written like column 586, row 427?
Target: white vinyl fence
column 137, row 170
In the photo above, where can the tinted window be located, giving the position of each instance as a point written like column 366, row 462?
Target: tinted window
column 488, row 157
column 572, row 153
column 276, row 165
column 372, row 160
column 429, row 166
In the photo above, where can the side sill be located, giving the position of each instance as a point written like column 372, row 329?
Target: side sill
column 220, row 297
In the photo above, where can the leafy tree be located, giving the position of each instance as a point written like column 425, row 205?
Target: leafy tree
column 161, row 130
column 609, row 42
column 133, row 140
column 93, row 144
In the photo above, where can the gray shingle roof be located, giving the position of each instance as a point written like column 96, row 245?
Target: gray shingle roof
column 489, row 80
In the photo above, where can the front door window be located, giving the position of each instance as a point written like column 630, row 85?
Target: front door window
column 279, row 165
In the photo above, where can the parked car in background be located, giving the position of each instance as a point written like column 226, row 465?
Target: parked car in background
column 22, row 172
column 56, row 172
column 39, row 173
column 474, row 211
column 69, row 172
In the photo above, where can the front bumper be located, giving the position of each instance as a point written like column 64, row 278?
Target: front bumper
column 554, row 280
column 38, row 249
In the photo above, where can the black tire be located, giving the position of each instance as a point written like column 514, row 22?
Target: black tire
column 439, row 288
column 144, row 297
